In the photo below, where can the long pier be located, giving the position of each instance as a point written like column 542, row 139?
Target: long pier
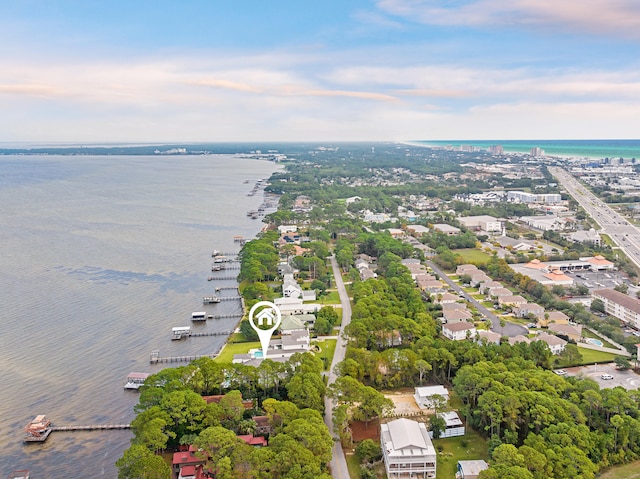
column 178, row 335
column 156, row 358
column 222, row 278
column 92, row 427
column 229, row 298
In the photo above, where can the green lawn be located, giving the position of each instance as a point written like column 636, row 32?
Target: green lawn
column 332, row 297
column 229, row 349
column 353, row 464
column 472, row 255
column 453, row 449
column 589, row 356
column 627, row 471
column 327, row 346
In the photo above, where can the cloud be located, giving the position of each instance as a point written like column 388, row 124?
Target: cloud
column 611, row 17
column 29, row 90
column 229, row 85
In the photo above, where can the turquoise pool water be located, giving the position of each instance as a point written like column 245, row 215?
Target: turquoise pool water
column 595, row 342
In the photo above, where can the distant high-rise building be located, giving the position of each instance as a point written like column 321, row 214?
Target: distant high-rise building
column 537, row 151
column 496, row 150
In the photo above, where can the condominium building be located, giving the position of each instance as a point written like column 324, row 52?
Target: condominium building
column 619, row 305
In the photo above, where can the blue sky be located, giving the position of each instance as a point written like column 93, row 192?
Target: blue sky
column 214, row 70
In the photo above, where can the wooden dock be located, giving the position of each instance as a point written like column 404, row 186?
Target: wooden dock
column 92, row 427
column 229, row 298
column 222, row 278
column 156, row 358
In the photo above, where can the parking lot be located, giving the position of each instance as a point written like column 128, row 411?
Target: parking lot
column 598, row 280
column 627, row 379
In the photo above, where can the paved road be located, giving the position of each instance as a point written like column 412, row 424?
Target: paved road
column 510, row 329
column 338, row 463
column 624, row 234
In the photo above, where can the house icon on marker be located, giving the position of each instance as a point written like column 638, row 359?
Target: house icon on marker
column 267, row 315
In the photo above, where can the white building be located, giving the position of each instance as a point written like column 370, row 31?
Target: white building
column 485, row 223
column 556, row 344
column 459, row 331
column 470, row 469
column 425, row 396
column 524, row 197
column 453, row 424
column 407, row 450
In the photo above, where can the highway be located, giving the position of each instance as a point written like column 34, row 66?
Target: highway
column 624, row 234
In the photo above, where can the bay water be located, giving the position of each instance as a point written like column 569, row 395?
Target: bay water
column 100, row 257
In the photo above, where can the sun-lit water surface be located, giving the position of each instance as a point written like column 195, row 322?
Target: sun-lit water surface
column 101, row 257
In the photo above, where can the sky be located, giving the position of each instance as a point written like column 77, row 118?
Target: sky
column 171, row 71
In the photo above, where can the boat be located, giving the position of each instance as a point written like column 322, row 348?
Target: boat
column 135, row 380
column 199, row 315
column 21, row 474
column 180, row 332
column 210, row 300
column 210, row 278
column 215, row 253
column 38, row 429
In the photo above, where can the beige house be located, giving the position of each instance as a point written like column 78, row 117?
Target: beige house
column 571, row 331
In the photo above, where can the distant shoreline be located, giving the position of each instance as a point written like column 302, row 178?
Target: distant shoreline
column 593, row 149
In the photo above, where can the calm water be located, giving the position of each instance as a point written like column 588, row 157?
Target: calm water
column 101, row 257
column 567, row 148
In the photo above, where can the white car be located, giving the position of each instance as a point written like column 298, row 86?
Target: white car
column 606, row 376
column 560, row 372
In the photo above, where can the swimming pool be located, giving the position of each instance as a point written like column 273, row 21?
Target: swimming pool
column 595, row 342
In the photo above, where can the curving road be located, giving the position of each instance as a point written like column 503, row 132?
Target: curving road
column 510, row 329
column 338, row 463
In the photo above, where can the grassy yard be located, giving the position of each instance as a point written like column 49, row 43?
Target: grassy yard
column 353, row 464
column 627, row 471
column 453, row 449
column 327, row 349
column 332, row 297
column 473, row 255
column 226, row 355
column 589, row 356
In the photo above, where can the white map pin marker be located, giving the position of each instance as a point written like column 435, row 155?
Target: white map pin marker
column 270, row 314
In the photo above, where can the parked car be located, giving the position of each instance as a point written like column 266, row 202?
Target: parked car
column 606, row 376
column 560, row 372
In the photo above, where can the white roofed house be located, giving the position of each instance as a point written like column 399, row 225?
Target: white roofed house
column 459, row 331
column 407, row 450
column 426, row 396
column 556, row 344
column 453, row 425
column 290, row 287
